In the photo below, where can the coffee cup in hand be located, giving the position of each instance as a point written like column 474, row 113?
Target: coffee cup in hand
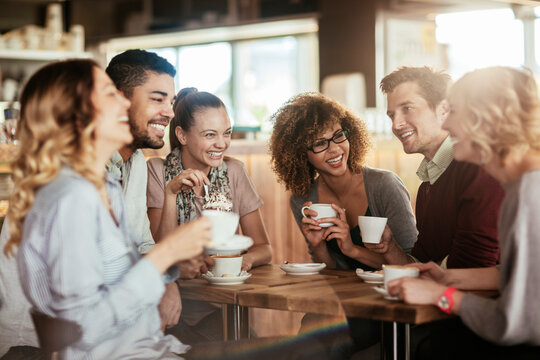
column 224, row 225
column 323, row 211
column 371, row 228
column 392, row 272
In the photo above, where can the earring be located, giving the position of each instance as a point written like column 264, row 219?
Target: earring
column 483, row 157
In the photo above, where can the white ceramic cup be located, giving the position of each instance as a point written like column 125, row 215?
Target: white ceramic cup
column 227, row 265
column 224, row 225
column 371, row 228
column 392, row 272
column 323, row 211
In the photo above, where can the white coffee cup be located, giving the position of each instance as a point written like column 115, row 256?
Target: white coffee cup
column 224, row 225
column 227, row 266
column 392, row 272
column 371, row 228
column 323, row 211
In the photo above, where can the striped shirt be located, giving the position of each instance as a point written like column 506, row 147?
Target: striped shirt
column 76, row 263
column 431, row 170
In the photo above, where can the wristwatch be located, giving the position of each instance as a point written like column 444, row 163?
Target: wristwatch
column 446, row 301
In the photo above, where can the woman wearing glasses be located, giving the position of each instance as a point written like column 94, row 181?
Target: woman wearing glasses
column 318, row 151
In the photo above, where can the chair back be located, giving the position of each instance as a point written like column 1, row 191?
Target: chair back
column 54, row 334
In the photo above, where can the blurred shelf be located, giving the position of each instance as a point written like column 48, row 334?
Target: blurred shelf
column 40, row 55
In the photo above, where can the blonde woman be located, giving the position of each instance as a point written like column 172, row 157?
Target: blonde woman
column 495, row 123
column 76, row 258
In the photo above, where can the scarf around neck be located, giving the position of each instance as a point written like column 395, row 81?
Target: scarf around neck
column 185, row 200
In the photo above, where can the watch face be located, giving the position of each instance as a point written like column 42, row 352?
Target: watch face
column 443, row 302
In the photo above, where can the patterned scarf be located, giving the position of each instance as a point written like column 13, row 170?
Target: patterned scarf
column 185, row 200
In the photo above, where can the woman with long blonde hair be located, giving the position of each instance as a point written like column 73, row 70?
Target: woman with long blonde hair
column 77, row 259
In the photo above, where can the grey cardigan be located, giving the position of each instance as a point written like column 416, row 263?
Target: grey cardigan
column 387, row 197
column 513, row 317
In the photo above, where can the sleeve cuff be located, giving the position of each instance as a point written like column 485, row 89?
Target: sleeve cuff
column 171, row 274
column 152, row 288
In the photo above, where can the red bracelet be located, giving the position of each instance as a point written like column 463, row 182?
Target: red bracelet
column 446, row 301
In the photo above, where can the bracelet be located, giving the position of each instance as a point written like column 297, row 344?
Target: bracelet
column 446, row 301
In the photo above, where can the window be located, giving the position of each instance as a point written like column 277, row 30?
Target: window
column 482, row 38
column 253, row 69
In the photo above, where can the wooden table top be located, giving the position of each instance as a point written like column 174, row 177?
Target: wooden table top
column 332, row 292
column 262, row 277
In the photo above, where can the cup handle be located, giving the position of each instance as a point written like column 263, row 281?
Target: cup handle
column 302, row 211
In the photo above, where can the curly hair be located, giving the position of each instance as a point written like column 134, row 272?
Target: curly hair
column 188, row 102
column 297, row 123
column 56, row 129
column 130, row 69
column 501, row 110
column 433, row 85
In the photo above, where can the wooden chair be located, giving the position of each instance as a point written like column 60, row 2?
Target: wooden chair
column 54, row 334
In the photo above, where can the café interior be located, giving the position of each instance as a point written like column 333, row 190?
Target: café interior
column 256, row 54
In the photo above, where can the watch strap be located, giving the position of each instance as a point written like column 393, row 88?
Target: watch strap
column 446, row 301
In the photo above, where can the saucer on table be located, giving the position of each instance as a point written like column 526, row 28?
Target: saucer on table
column 381, row 290
column 234, row 246
column 226, row 280
column 303, row 269
column 370, row 277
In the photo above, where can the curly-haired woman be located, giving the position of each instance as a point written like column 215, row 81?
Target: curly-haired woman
column 77, row 259
column 318, row 150
column 495, row 123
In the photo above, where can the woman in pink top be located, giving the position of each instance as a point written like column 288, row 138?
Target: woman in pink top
column 200, row 134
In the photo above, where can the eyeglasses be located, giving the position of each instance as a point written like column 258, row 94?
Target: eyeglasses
column 322, row 144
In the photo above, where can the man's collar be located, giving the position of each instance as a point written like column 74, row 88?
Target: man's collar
column 432, row 170
column 114, row 165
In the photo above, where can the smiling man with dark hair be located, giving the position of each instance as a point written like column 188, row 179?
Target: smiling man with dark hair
column 147, row 81
column 457, row 203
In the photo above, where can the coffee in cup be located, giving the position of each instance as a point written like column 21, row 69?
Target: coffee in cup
column 227, row 265
column 392, row 272
column 323, row 211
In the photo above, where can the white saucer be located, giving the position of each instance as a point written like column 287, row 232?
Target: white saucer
column 234, row 246
column 371, row 277
column 384, row 293
column 303, row 269
column 374, row 282
column 229, row 280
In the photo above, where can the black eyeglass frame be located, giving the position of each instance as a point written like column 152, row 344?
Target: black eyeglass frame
column 333, row 139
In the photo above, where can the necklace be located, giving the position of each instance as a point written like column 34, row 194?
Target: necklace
column 337, row 193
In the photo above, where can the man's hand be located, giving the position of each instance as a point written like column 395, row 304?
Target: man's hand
column 193, row 268
column 170, row 306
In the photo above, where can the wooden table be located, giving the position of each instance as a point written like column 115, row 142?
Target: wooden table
column 235, row 316
column 343, row 296
column 332, row 292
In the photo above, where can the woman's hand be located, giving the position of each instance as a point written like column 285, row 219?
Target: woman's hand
column 340, row 231
column 247, row 263
column 387, row 243
column 415, row 290
column 187, row 179
column 311, row 229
